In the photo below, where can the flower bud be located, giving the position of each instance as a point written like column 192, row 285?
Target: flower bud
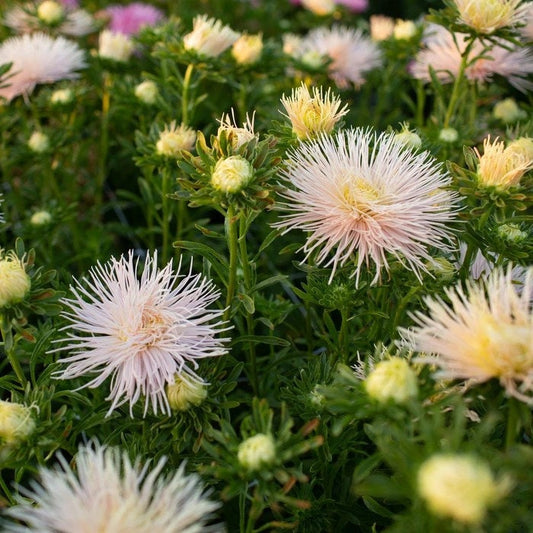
column 392, row 379
column 232, row 174
column 508, row 111
column 147, row 92
column 115, row 46
column 14, row 281
column 175, row 139
column 41, row 218
column 460, row 487
column 62, row 97
column 448, row 135
column 257, row 451
column 16, row 422
column 50, row 12
column 521, row 147
column 381, row 27
column 38, row 142
column 408, row 138
column 246, row 50
column 404, row 30
column 511, row 233
column 319, row 7
column 184, row 393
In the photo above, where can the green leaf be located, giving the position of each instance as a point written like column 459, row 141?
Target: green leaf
column 261, row 339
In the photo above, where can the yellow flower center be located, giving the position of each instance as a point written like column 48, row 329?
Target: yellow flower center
column 360, row 196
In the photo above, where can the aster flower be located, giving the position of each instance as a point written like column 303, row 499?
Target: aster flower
column 487, row 16
column 500, row 166
column 131, row 18
column 107, row 492
column 381, row 27
column 363, row 193
column 209, row 36
column 140, row 333
column 443, row 56
column 352, row 54
column 38, row 58
column 29, row 17
column 484, row 332
column 311, row 115
column 236, row 135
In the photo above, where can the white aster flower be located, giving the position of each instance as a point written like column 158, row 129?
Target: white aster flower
column 38, row 58
column 484, row 332
column 209, row 36
column 139, row 333
column 352, row 54
column 108, row 493
column 362, row 193
column 29, row 17
column 443, row 51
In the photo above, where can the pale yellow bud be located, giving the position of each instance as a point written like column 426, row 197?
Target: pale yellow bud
column 38, row 142
column 184, row 393
column 147, row 92
column 408, row 138
column 381, row 27
column 313, row 59
column 14, row 281
column 312, row 114
column 247, row 49
column 460, row 487
column 448, row 135
column 404, row 30
column 511, row 233
column 236, row 136
column 257, row 451
column 508, row 111
column 319, row 7
column 443, row 268
column 392, row 379
column 115, row 46
column 62, row 96
column 232, row 174
column 50, row 12
column 16, row 422
column 41, row 218
column 522, row 147
column 175, row 139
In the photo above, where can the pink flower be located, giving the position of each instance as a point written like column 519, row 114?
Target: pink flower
column 140, row 333
column 442, row 54
column 352, row 54
column 361, row 196
column 357, row 6
column 131, row 18
column 38, row 58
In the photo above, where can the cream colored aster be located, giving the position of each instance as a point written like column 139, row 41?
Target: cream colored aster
column 443, row 52
column 235, row 134
column 362, row 197
column 381, row 27
column 30, row 16
column 38, row 58
column 105, row 492
column 352, row 54
column 139, row 333
column 319, row 7
column 487, row 16
column 311, row 115
column 460, row 486
column 175, row 139
column 209, row 36
column 485, row 332
column 499, row 166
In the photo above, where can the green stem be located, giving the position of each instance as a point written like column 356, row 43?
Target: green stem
column 185, row 94
column 104, row 141
column 343, row 336
column 247, row 277
column 420, row 103
column 9, row 348
column 456, row 91
column 232, row 240
column 513, row 421
column 165, row 217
